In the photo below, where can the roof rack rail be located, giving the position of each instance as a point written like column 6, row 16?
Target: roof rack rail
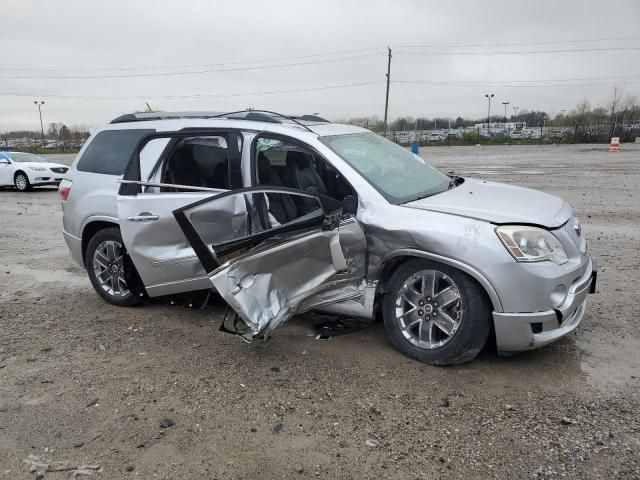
column 250, row 114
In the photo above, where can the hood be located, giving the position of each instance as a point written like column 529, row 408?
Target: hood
column 498, row 203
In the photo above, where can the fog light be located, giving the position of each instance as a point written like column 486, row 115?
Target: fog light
column 558, row 296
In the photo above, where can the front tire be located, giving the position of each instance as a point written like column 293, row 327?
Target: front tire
column 21, row 182
column 110, row 270
column 435, row 313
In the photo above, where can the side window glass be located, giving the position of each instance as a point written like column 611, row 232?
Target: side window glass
column 201, row 161
column 110, row 151
column 284, row 164
column 149, row 162
column 241, row 215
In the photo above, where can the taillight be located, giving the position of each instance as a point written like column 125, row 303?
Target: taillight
column 63, row 189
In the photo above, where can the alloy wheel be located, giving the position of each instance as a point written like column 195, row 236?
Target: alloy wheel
column 21, row 182
column 108, row 266
column 428, row 309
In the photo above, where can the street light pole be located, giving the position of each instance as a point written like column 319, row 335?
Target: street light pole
column 562, row 119
column 489, row 96
column 505, row 110
column 515, row 113
column 39, row 104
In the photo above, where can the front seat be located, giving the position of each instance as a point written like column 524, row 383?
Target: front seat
column 280, row 204
column 302, row 175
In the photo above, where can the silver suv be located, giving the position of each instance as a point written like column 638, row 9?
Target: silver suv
column 281, row 215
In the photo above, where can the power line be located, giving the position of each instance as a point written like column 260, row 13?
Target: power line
column 198, row 95
column 203, row 65
column 315, row 55
column 300, row 64
column 490, row 82
column 195, row 72
column 520, row 52
column 557, row 42
column 508, row 85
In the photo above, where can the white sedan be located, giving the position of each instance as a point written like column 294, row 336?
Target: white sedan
column 26, row 170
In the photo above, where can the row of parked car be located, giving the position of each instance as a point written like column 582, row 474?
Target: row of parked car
column 440, row 136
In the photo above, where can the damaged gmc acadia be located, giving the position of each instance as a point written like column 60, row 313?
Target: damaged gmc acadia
column 281, row 215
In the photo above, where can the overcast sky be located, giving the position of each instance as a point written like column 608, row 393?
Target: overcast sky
column 259, row 46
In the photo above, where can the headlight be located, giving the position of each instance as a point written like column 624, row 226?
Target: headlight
column 532, row 244
column 38, row 169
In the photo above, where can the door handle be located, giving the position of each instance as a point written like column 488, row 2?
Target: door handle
column 143, row 217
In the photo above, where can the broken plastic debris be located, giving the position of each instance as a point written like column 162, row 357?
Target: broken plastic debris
column 334, row 328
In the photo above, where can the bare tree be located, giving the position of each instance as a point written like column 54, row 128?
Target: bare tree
column 615, row 99
column 582, row 112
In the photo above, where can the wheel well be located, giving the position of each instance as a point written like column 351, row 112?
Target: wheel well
column 394, row 263
column 19, row 171
column 90, row 230
column 387, row 270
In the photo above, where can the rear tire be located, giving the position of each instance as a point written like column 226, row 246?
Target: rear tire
column 111, row 271
column 435, row 314
column 21, row 182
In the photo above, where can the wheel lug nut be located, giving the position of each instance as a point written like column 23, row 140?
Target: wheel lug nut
column 420, row 312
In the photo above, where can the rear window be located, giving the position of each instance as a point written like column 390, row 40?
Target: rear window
column 110, row 151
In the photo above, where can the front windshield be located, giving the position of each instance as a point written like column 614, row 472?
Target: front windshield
column 28, row 157
column 395, row 172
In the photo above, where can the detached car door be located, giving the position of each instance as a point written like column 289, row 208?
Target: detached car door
column 271, row 268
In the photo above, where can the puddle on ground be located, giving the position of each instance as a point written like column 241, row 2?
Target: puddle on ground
column 47, row 276
column 26, row 283
column 612, row 366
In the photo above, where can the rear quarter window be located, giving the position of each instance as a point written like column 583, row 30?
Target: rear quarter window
column 110, row 151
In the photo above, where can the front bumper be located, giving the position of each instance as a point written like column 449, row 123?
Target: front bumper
column 46, row 180
column 526, row 331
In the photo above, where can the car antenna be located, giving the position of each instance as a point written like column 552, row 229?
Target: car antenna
column 265, row 111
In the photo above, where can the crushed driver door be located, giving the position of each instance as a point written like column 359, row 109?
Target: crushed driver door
column 294, row 251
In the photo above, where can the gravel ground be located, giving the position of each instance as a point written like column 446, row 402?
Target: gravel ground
column 158, row 392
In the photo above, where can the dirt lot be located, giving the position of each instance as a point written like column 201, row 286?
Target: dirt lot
column 85, row 383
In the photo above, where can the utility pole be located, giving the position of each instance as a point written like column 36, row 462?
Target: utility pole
column 386, row 101
column 39, row 104
column 489, row 96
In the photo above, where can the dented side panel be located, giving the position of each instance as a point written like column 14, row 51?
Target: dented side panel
column 294, row 275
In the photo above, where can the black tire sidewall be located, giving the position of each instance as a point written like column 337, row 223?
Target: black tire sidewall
column 27, row 188
column 474, row 328
column 111, row 233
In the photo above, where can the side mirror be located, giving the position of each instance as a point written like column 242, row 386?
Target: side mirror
column 350, row 204
column 4, row 161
